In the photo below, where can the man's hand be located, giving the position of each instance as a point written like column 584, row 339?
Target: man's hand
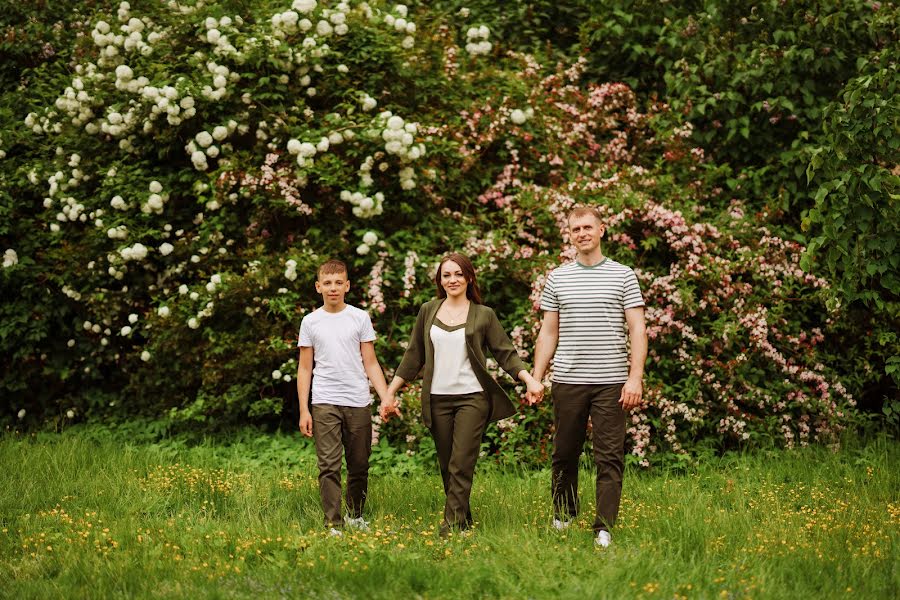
column 535, row 392
column 632, row 392
column 306, row 423
column 389, row 406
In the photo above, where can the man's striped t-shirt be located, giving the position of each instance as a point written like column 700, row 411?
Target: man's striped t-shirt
column 591, row 302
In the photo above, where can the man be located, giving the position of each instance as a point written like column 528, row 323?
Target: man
column 587, row 305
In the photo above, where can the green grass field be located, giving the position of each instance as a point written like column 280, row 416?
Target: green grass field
column 88, row 516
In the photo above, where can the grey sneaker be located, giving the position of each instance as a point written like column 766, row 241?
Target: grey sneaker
column 560, row 525
column 603, row 539
column 358, row 523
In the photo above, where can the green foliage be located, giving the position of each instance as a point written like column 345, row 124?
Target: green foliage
column 856, row 215
column 171, row 182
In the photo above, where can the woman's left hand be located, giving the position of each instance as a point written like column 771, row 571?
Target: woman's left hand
column 535, row 391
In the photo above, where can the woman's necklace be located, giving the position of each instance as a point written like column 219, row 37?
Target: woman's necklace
column 454, row 317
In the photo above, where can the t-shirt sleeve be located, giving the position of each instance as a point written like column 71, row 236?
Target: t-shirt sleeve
column 631, row 295
column 305, row 338
column 549, row 300
column 366, row 331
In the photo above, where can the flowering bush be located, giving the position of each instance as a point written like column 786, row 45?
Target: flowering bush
column 175, row 188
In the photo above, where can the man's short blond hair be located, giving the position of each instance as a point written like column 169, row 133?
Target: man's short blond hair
column 582, row 210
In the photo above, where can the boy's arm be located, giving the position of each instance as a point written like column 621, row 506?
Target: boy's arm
column 373, row 369
column 304, row 378
column 376, row 376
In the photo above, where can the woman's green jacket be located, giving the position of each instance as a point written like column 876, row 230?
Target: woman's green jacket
column 483, row 331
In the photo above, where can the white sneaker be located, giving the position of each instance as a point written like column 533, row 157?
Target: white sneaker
column 560, row 525
column 335, row 532
column 358, row 523
column 603, row 539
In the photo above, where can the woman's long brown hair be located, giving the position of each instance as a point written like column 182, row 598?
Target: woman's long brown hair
column 468, row 270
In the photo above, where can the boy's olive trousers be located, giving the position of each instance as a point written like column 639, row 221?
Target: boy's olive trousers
column 337, row 429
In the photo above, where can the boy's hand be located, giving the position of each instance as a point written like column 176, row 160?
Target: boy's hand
column 388, row 407
column 306, row 424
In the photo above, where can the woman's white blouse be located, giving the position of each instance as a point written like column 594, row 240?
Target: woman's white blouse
column 453, row 373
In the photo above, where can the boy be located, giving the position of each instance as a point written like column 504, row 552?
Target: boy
column 339, row 338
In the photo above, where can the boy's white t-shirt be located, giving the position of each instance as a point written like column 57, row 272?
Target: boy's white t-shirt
column 338, row 376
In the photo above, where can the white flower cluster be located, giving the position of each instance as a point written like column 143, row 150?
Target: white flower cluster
column 402, row 25
column 119, row 203
column 163, row 311
column 72, row 210
column 519, row 116
column 364, row 206
column 117, row 233
column 166, row 100
column 477, row 40
column 10, row 258
column 132, row 40
column 166, row 248
column 136, row 252
column 73, row 294
column 221, row 75
column 290, row 271
column 333, row 21
column 155, row 201
column 213, row 283
column 398, row 136
column 2, row 152
column 204, row 144
column 214, row 35
column 283, row 373
column 368, row 102
column 369, row 239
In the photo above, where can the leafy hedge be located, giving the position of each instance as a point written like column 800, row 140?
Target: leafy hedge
column 171, row 181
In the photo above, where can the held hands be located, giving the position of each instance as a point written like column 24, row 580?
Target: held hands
column 534, row 390
column 306, row 423
column 389, row 406
column 632, row 392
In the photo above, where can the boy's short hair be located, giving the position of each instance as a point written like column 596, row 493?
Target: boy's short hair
column 331, row 267
column 581, row 210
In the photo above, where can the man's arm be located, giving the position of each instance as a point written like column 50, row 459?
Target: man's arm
column 545, row 347
column 633, row 389
column 304, row 378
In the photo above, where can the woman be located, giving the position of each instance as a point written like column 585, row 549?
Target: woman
column 459, row 396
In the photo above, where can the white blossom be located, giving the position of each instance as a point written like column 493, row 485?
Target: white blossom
column 10, row 258
column 304, row 6
column 204, row 139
